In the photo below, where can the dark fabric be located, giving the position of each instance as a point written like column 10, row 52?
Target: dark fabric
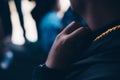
column 106, row 26
column 101, row 61
column 44, row 73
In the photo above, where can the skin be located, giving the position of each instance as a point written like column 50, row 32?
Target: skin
column 96, row 13
column 57, row 6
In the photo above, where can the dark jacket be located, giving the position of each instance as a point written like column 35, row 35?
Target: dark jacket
column 101, row 61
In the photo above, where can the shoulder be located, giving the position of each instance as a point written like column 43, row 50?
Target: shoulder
column 108, row 42
column 102, row 60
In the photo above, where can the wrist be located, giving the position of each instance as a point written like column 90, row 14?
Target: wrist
column 53, row 65
column 42, row 72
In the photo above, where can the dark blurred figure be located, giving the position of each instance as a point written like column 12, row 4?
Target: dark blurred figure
column 17, row 62
column 41, row 9
column 3, row 49
column 70, row 16
column 49, row 23
column 5, row 25
column 36, row 13
column 1, row 41
column 5, row 15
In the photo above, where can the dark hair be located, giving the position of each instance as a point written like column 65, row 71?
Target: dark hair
column 43, row 7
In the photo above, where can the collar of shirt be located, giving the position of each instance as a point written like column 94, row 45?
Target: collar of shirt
column 106, row 27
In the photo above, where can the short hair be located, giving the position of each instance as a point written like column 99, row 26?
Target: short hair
column 45, row 6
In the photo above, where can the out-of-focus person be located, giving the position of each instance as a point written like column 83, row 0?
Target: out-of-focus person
column 5, row 16
column 49, row 24
column 36, row 11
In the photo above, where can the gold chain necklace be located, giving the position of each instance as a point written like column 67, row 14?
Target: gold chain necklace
column 107, row 32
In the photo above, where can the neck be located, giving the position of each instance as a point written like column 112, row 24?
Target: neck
column 97, row 16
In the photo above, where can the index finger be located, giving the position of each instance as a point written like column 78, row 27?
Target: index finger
column 71, row 27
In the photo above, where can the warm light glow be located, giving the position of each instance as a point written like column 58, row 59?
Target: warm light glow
column 65, row 4
column 17, row 32
column 29, row 23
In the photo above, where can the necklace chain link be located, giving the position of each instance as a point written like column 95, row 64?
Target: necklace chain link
column 107, row 32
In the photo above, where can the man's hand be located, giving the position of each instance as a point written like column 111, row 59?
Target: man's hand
column 68, row 46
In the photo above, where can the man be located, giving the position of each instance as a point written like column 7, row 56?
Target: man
column 100, row 57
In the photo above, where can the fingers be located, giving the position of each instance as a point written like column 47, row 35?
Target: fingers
column 79, row 33
column 71, row 27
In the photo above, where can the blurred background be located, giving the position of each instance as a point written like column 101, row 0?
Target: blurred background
column 29, row 23
column 28, row 29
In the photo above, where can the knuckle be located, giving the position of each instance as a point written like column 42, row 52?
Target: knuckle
column 63, row 39
column 58, row 36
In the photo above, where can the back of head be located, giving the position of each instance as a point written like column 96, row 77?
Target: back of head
column 42, row 7
column 48, row 5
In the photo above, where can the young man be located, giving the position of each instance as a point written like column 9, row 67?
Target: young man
column 92, row 53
